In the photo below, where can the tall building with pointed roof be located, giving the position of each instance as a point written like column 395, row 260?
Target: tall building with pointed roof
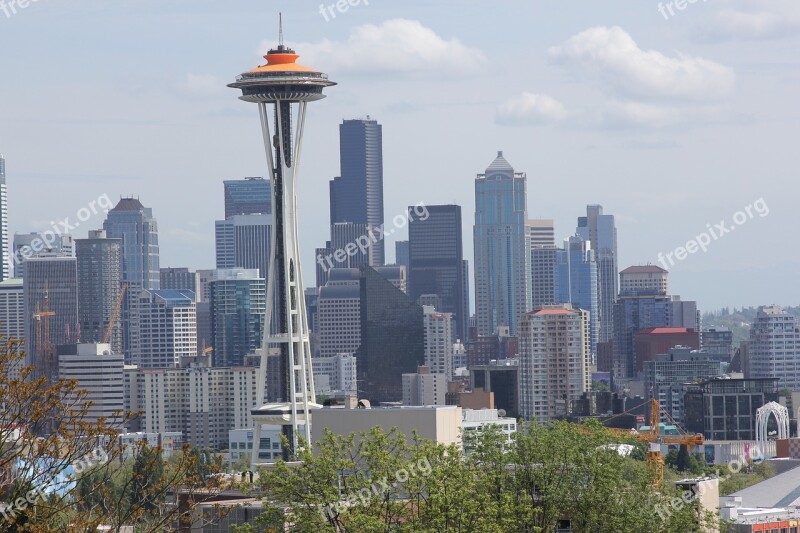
column 499, row 233
column 135, row 225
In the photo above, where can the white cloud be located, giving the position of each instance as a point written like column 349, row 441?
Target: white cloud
column 397, row 45
column 619, row 114
column 612, row 55
column 530, row 109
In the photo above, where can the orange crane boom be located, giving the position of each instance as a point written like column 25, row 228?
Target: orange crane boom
column 114, row 314
column 654, row 438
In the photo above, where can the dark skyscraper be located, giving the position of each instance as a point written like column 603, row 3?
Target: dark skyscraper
column 401, row 253
column 99, row 284
column 436, row 260
column 392, row 338
column 51, row 304
column 357, row 195
column 250, row 196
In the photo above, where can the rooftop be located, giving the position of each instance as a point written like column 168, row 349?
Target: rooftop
column 128, row 204
column 782, row 490
column 499, row 165
column 644, row 269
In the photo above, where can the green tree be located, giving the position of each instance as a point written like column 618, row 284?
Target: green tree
column 66, row 469
column 548, row 473
column 148, row 472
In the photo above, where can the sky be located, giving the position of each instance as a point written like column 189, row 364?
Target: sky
column 675, row 120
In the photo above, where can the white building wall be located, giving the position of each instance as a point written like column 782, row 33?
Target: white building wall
column 438, row 342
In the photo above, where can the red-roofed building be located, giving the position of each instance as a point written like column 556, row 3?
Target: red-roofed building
column 554, row 359
column 650, row 342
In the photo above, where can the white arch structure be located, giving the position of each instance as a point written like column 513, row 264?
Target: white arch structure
column 762, row 418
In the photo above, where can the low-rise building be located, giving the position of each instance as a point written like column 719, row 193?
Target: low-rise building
column 424, row 388
column 476, row 421
column 666, row 377
column 98, row 372
column 240, row 444
column 202, row 402
column 500, row 377
column 724, row 409
column 340, row 371
column 442, row 424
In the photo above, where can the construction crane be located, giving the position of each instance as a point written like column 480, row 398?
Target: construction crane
column 655, row 439
column 45, row 354
column 206, row 349
column 112, row 321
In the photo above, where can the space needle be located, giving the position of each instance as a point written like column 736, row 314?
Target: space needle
column 284, row 87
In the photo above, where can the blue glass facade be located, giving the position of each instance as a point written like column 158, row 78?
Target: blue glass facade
column 576, row 282
column 250, row 196
column 499, row 233
column 135, row 225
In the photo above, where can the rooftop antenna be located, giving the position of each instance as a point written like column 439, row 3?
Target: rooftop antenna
column 280, row 30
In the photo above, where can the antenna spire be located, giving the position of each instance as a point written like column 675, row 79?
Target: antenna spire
column 280, row 29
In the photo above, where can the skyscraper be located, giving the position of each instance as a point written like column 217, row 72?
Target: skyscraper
column 774, row 347
column 644, row 278
column 500, row 233
column 357, row 194
column 543, row 276
column 180, row 278
column 12, row 310
column 645, row 304
column 576, row 282
column 392, row 338
column 601, row 231
column 163, row 328
column 250, row 196
column 35, row 244
column 51, row 309
column 238, row 308
column 351, row 246
column 135, row 225
column 438, row 342
column 243, row 241
column 99, row 261
column 554, row 361
column 339, row 313
column 5, row 270
column 12, row 315
column 436, row 261
column 401, row 252
column 282, row 84
column 99, row 371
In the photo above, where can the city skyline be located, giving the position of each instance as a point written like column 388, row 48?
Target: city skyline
column 685, row 142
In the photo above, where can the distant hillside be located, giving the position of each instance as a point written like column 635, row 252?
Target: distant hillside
column 738, row 320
